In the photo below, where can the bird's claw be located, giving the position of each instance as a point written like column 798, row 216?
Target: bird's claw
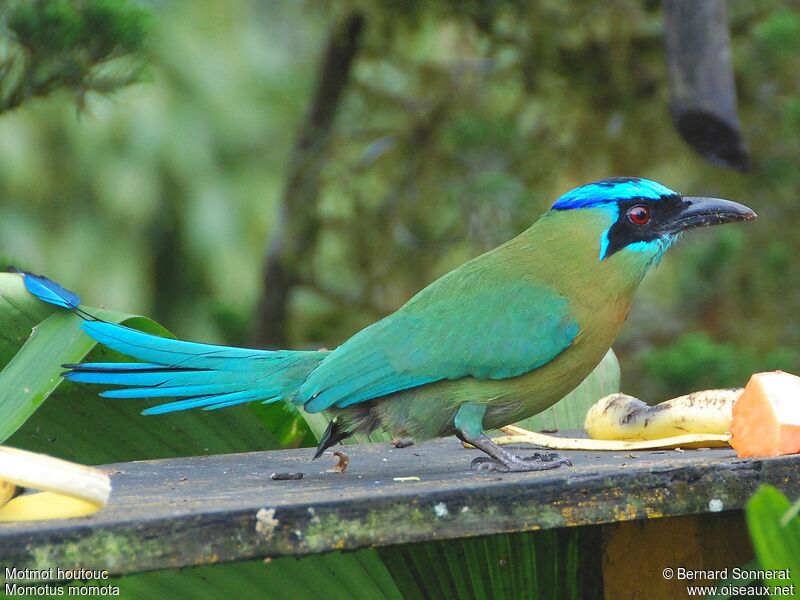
column 536, row 462
column 550, row 457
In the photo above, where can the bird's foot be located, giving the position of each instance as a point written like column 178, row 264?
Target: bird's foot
column 519, row 464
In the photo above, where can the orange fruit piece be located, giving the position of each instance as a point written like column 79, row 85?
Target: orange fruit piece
column 766, row 417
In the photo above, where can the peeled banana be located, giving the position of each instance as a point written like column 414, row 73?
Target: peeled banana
column 619, row 422
column 68, row 489
column 623, row 417
column 7, row 491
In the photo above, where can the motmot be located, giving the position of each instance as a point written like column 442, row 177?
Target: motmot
column 496, row 340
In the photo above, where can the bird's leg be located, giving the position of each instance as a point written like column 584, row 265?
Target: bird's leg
column 503, row 461
column 469, row 428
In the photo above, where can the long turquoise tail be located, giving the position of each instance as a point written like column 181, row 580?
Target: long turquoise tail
column 205, row 376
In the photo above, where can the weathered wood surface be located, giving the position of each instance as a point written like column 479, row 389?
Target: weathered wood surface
column 187, row 511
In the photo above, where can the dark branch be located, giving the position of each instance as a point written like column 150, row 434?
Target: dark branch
column 298, row 223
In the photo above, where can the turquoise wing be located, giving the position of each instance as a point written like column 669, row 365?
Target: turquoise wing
column 461, row 326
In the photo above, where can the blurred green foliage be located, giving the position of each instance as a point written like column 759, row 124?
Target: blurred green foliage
column 73, row 44
column 695, row 361
column 460, row 123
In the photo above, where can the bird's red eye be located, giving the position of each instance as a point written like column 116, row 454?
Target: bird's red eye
column 639, row 214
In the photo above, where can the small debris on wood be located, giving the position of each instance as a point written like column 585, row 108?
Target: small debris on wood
column 341, row 464
column 679, row 450
column 631, row 456
column 183, row 478
column 286, row 476
column 412, row 478
column 441, row 511
column 266, row 521
column 402, row 442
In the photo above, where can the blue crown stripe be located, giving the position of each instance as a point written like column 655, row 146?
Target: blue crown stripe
column 612, row 190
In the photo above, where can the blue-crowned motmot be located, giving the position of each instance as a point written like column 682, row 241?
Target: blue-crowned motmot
column 494, row 341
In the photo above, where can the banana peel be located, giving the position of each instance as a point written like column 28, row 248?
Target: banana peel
column 518, row 435
column 66, row 489
column 619, row 422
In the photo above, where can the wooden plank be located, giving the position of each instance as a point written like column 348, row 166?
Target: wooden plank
column 636, row 553
column 203, row 510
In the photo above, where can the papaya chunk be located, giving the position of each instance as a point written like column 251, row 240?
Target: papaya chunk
column 766, row 417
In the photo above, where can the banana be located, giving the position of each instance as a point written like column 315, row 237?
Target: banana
column 68, row 489
column 620, row 422
column 622, row 417
column 7, row 491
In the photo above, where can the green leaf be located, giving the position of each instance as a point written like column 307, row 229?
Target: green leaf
column 777, row 543
column 562, row 564
column 34, row 371
column 791, row 514
column 19, row 313
column 358, row 575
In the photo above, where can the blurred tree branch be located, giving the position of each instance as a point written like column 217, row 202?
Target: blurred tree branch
column 298, row 222
column 46, row 45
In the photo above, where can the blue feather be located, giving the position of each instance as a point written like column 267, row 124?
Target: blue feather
column 47, row 290
column 158, row 391
column 612, row 190
column 200, row 402
column 209, row 376
column 175, row 353
column 206, row 402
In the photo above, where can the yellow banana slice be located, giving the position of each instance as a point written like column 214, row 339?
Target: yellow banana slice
column 68, row 489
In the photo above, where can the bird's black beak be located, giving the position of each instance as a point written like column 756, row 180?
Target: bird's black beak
column 704, row 212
